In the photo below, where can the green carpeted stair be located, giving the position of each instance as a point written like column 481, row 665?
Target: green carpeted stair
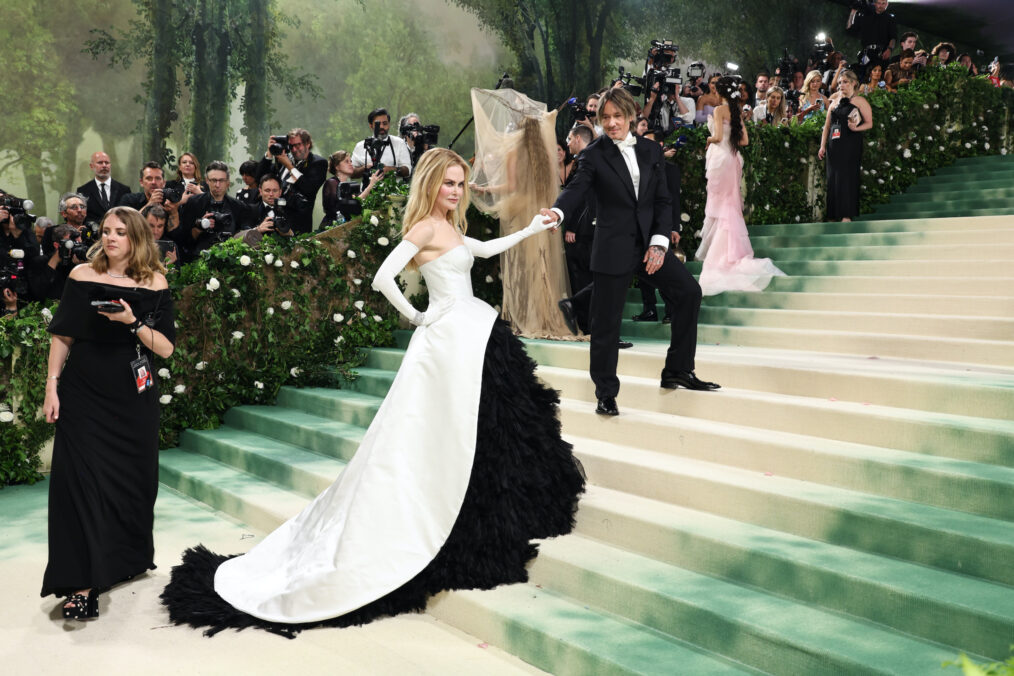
column 843, row 505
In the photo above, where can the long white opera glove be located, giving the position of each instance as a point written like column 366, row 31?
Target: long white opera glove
column 384, row 281
column 501, row 244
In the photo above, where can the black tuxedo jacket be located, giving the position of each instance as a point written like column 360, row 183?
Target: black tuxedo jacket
column 95, row 210
column 625, row 223
column 194, row 210
column 134, row 200
column 313, row 171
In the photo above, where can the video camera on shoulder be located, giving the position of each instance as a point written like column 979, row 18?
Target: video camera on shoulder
column 279, row 145
column 12, row 274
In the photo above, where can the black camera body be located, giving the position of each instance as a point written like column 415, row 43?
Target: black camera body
column 172, row 194
column 863, row 6
column 12, row 276
column 786, row 69
column 279, row 145
column 349, row 190
column 421, row 135
column 218, row 220
column 72, row 247
column 19, row 210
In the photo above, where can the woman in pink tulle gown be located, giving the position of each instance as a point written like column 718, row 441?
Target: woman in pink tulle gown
column 725, row 248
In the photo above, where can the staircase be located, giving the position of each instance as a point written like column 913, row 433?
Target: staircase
column 844, row 505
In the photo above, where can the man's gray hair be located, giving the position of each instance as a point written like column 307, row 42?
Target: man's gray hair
column 43, row 222
column 62, row 206
column 404, row 119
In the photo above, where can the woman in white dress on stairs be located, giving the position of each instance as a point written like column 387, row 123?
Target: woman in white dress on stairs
column 462, row 466
column 725, row 248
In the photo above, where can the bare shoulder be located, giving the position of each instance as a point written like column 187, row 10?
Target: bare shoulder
column 158, row 282
column 421, row 233
column 84, row 272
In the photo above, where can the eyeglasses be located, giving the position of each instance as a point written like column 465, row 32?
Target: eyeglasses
column 79, row 207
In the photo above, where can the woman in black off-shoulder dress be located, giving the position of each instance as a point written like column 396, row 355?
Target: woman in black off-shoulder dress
column 105, row 454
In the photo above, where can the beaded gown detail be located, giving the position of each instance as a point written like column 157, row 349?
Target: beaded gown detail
column 462, row 466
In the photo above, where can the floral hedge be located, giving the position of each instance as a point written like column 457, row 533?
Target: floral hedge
column 941, row 116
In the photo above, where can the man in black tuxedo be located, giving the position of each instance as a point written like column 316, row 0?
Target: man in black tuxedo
column 102, row 192
column 303, row 173
column 578, row 230
column 626, row 175
column 152, row 181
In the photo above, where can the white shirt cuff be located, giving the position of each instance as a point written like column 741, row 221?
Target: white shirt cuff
column 558, row 213
column 660, row 240
column 294, row 175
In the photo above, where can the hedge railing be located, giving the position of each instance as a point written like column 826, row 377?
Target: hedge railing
column 250, row 321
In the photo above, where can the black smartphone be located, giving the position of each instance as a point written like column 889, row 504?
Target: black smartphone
column 107, row 306
column 166, row 245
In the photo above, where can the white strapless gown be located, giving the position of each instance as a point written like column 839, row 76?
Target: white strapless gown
column 391, row 511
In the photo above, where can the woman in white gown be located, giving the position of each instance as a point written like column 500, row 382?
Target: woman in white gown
column 461, row 468
column 725, row 248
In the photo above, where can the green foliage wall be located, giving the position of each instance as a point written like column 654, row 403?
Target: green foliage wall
column 941, row 116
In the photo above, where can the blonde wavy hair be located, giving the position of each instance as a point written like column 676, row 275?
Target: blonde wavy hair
column 144, row 260
column 427, row 177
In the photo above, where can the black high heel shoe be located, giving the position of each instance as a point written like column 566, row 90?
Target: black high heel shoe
column 83, row 607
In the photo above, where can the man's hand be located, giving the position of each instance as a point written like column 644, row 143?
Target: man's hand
column 675, row 237
column 653, row 259
column 570, row 237
column 550, row 216
column 267, row 225
column 284, row 160
column 886, row 54
column 156, row 197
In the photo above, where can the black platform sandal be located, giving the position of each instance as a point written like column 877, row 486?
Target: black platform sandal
column 83, row 607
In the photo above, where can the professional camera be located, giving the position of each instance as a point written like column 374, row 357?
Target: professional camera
column 695, row 70
column 632, row 83
column 821, row 50
column 12, row 275
column 222, row 219
column 19, row 210
column 349, row 190
column 421, row 135
column 658, row 69
column 279, row 145
column 578, row 109
column 786, row 67
column 90, row 232
column 281, row 221
column 73, row 247
column 862, row 6
column 172, row 194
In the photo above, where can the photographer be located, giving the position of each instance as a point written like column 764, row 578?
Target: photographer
column 340, row 197
column 158, row 221
column 910, row 40
column 19, row 248
column 417, row 138
column 74, row 208
column 62, row 249
column 152, row 185
column 300, row 173
column 877, row 31
column 102, row 192
column 773, row 110
column 214, row 216
column 381, row 148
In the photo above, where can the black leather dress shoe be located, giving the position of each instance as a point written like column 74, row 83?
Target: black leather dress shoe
column 567, row 310
column 607, row 406
column 624, row 344
column 646, row 316
column 688, row 379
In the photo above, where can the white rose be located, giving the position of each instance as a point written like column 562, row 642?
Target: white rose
column 357, row 281
column 270, row 311
column 986, row 145
column 350, row 253
column 339, row 339
column 968, row 145
column 378, row 318
column 383, row 241
column 212, row 284
column 1003, row 151
column 286, row 304
column 880, row 181
column 941, row 149
column 47, row 315
column 359, row 304
column 489, row 279
column 926, row 106
column 797, row 219
column 259, row 385
column 269, row 259
column 362, row 315
column 163, row 373
column 685, row 217
column 873, row 172
column 338, row 317
column 374, row 220
column 278, row 263
column 6, row 416
column 294, row 265
column 237, row 335
column 294, row 372
column 786, row 144
column 179, row 389
column 235, row 293
column 697, row 233
column 165, row 399
column 244, row 260
column 200, row 365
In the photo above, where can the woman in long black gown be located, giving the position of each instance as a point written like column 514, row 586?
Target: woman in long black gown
column 849, row 114
column 106, row 409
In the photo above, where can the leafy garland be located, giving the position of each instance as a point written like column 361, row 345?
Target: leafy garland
column 298, row 311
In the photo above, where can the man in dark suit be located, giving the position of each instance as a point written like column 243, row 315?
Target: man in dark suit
column 102, row 192
column 302, row 173
column 152, row 182
column 578, row 230
column 626, row 176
